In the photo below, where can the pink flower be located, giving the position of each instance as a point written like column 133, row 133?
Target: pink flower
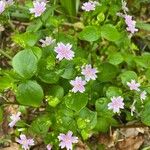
column 130, row 24
column 116, row 104
column 48, row 41
column 143, row 95
column 26, row 143
column 64, row 51
column 49, row 147
column 88, row 6
column 78, row 85
column 89, row 72
column 2, row 6
column 133, row 85
column 15, row 118
column 39, row 8
column 66, row 140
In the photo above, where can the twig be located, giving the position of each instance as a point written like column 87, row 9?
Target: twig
column 5, row 54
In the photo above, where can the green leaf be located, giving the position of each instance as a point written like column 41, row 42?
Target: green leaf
column 143, row 25
column 109, row 32
column 87, row 119
column 68, row 70
column 26, row 39
column 37, row 52
column 30, row 93
column 1, row 115
column 102, row 107
column 55, row 95
column 70, row 7
column 115, row 58
column 90, row 34
column 77, row 101
column 25, row 63
column 147, row 74
column 113, row 91
column 107, row 72
column 102, row 124
column 56, row 91
column 143, row 61
column 145, row 117
column 127, row 76
column 41, row 125
column 48, row 76
column 34, row 26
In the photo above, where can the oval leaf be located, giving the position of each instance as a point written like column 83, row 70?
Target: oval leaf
column 25, row 63
column 30, row 93
column 76, row 101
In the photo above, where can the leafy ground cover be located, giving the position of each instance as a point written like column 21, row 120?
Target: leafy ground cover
column 74, row 74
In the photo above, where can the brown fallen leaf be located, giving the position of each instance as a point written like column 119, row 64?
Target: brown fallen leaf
column 130, row 143
column 13, row 146
column 81, row 146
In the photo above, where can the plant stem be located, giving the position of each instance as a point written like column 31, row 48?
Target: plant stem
column 5, row 54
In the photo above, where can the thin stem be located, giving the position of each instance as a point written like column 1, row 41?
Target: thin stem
column 5, row 54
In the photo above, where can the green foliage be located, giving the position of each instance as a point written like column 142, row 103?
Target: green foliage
column 107, row 72
column 25, row 63
column 71, row 7
column 30, row 93
column 145, row 117
column 43, row 86
column 41, row 125
column 76, row 102
column 1, row 114
column 109, row 32
column 23, row 39
column 127, row 76
column 90, row 34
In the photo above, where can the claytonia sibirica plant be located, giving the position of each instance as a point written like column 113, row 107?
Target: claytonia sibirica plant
column 133, row 85
column 47, row 42
column 64, row 51
column 66, row 140
column 131, row 24
column 26, row 143
column 38, row 9
column 116, row 104
column 2, row 6
column 78, row 85
column 89, row 6
column 14, row 119
column 89, row 72
column 72, row 70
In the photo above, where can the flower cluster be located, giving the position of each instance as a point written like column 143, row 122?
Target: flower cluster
column 66, row 140
column 39, row 8
column 89, row 6
column 89, row 74
column 117, row 102
column 128, row 19
column 130, row 24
